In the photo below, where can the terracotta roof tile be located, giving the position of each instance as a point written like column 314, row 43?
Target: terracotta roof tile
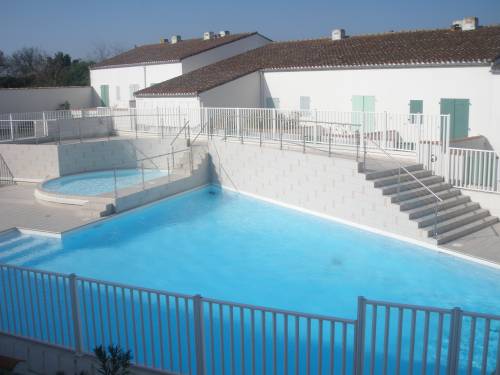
column 426, row 47
column 168, row 52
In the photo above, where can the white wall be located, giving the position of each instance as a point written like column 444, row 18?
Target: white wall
column 223, row 52
column 124, row 77
column 45, row 99
column 174, row 101
column 242, row 92
column 393, row 88
column 145, row 75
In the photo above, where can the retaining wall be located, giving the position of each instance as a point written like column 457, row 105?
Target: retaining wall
column 326, row 186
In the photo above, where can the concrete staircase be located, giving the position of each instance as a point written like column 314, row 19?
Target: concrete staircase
column 457, row 215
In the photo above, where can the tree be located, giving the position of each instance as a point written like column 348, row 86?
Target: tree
column 3, row 62
column 30, row 67
column 103, row 51
column 27, row 61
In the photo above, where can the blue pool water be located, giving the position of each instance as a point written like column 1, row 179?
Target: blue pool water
column 227, row 246
column 100, row 182
column 232, row 247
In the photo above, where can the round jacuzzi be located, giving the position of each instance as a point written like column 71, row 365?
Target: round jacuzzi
column 99, row 182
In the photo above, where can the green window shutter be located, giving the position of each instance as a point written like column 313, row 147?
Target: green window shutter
column 416, row 109
column 105, row 95
column 458, row 109
column 305, row 103
column 357, row 103
column 272, row 102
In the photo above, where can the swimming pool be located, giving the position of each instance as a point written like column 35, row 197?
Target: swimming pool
column 227, row 246
column 100, row 182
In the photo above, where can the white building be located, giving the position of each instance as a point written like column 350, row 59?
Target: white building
column 451, row 71
column 116, row 79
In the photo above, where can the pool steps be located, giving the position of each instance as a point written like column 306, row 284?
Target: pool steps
column 18, row 249
column 457, row 215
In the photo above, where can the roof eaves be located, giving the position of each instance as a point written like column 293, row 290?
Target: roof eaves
column 376, row 66
column 93, row 67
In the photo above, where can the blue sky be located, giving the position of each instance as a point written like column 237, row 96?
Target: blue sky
column 78, row 26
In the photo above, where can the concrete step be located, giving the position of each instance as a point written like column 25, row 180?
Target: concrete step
column 392, row 189
column 447, row 214
column 419, row 192
column 419, row 212
column 466, row 229
column 428, row 199
column 392, row 172
column 457, row 222
column 391, row 180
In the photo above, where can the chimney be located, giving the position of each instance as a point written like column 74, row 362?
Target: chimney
column 223, row 33
column 163, row 40
column 338, row 34
column 207, row 35
column 466, row 24
column 175, row 39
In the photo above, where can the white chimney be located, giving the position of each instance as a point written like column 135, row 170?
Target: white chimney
column 338, row 34
column 207, row 35
column 175, row 39
column 466, row 24
column 223, row 33
column 163, row 40
column 469, row 23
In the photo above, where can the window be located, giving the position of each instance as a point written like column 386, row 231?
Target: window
column 133, row 88
column 416, row 110
column 152, row 84
column 272, row 103
column 305, row 103
column 118, row 96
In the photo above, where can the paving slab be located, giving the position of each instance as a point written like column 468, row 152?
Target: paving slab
column 19, row 208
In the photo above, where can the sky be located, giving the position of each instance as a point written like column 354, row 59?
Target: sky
column 78, row 26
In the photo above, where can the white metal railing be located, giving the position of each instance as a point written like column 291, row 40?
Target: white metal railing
column 190, row 334
column 473, row 169
column 426, row 137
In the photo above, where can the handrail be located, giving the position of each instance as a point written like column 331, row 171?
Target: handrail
column 9, row 176
column 406, row 170
column 186, row 123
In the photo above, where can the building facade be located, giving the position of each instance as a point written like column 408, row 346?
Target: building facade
column 116, row 79
column 447, row 71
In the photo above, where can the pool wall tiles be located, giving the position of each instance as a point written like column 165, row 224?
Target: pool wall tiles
column 328, row 186
column 181, row 181
column 40, row 162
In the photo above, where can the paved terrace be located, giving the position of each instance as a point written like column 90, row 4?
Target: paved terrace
column 19, row 208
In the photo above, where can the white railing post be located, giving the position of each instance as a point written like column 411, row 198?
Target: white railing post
column 315, row 131
column 199, row 334
column 359, row 346
column 45, row 127
column 11, row 127
column 238, row 129
column 75, row 313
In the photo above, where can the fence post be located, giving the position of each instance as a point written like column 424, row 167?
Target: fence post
column 45, row 128
column 238, row 128
column 142, row 172
column 199, row 334
column 75, row 313
column 315, row 133
column 330, row 142
column 359, row 345
column 115, row 186
column 454, row 341
column 11, row 127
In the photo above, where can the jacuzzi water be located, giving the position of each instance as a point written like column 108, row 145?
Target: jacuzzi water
column 100, row 182
column 228, row 246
